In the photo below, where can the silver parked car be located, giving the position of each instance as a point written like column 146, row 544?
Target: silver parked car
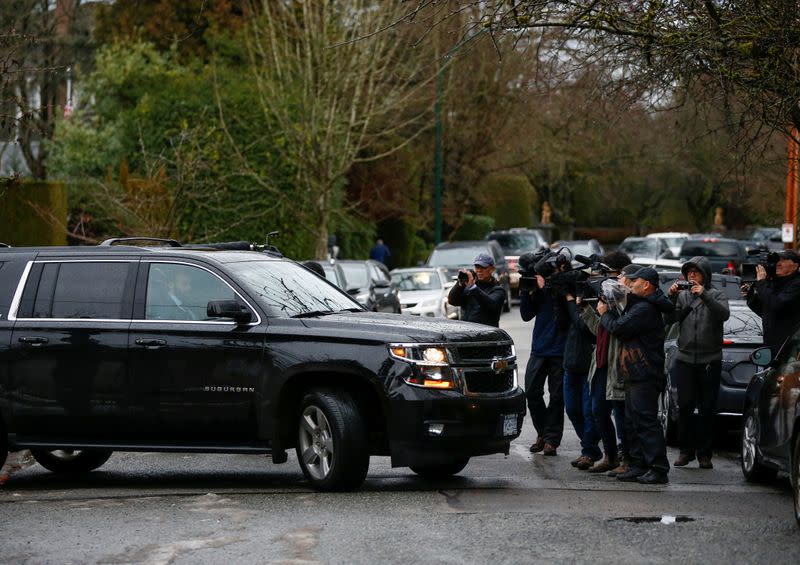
column 423, row 291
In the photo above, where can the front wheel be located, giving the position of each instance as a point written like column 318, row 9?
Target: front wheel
column 752, row 469
column 71, row 462
column 795, row 475
column 441, row 471
column 332, row 443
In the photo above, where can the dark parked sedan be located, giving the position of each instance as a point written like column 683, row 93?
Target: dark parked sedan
column 771, row 431
column 371, row 285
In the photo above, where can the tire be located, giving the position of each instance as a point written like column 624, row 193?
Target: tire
column 3, row 445
column 507, row 303
column 753, row 470
column 332, row 443
column 67, row 462
column 442, row 471
column 666, row 411
column 795, row 475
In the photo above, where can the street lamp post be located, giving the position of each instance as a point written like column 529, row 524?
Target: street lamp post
column 437, row 116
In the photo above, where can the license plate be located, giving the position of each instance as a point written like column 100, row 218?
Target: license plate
column 509, row 424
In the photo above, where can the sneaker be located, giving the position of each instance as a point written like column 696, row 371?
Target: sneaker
column 631, row 475
column 683, row 460
column 653, row 477
column 537, row 445
column 584, row 463
column 621, row 468
column 549, row 450
column 604, row 465
column 705, row 462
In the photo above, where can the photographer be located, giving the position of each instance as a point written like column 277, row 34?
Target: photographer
column 478, row 293
column 640, row 329
column 548, row 305
column 776, row 298
column 701, row 311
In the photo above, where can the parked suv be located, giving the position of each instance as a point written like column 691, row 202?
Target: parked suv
column 723, row 254
column 515, row 242
column 128, row 348
column 455, row 255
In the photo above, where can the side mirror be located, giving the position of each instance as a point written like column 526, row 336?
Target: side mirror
column 761, row 356
column 352, row 291
column 229, row 309
column 381, row 283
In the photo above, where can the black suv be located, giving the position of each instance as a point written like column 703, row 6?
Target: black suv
column 195, row 349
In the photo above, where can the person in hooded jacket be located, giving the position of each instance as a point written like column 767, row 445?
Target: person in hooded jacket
column 777, row 299
column 640, row 329
column 701, row 312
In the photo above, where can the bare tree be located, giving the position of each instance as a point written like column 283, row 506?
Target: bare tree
column 333, row 88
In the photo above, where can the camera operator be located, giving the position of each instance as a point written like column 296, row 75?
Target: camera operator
column 640, row 329
column 777, row 299
column 548, row 305
column 701, row 311
column 478, row 293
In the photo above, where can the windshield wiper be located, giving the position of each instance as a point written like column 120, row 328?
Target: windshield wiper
column 354, row 309
column 314, row 313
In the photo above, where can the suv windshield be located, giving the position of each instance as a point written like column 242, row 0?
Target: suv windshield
column 639, row 246
column 692, row 248
column 517, row 243
column 417, row 280
column 287, row 289
column 455, row 256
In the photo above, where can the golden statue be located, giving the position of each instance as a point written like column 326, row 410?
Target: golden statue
column 718, row 216
column 546, row 213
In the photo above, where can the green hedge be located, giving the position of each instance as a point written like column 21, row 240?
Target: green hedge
column 510, row 200
column 33, row 213
column 473, row 227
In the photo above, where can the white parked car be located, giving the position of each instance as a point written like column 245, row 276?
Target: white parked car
column 673, row 239
column 423, row 291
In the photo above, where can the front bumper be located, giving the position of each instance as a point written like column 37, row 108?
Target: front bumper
column 470, row 426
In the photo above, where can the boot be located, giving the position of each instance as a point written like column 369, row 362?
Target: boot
column 584, row 462
column 619, row 469
column 683, row 459
column 604, row 465
column 538, row 445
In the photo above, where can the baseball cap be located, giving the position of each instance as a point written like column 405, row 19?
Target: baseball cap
column 647, row 273
column 628, row 270
column 484, row 260
column 789, row 254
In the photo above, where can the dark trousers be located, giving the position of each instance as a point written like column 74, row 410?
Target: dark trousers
column 644, row 433
column 698, row 387
column 601, row 411
column 578, row 405
column 618, row 408
column 548, row 420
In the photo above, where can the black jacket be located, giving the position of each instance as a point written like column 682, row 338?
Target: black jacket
column 777, row 301
column 579, row 344
column 640, row 330
column 481, row 304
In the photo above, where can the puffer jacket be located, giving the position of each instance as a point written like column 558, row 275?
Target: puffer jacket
column 614, row 385
column 701, row 318
column 777, row 301
column 482, row 303
column 640, row 328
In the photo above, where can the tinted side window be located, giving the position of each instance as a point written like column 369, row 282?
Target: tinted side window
column 182, row 292
column 85, row 290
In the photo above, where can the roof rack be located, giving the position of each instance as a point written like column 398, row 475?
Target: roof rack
column 116, row 240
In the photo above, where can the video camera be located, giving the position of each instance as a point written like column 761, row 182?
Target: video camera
column 559, row 274
column 768, row 259
column 543, row 262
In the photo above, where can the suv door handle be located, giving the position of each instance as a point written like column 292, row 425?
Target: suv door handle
column 151, row 343
column 34, row 341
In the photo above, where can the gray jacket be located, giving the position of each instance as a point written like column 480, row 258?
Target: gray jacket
column 615, row 388
column 701, row 318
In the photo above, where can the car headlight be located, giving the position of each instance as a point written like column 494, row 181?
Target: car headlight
column 430, row 366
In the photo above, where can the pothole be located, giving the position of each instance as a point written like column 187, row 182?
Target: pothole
column 653, row 519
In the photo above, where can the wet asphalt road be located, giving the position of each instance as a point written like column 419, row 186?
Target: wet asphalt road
column 188, row 509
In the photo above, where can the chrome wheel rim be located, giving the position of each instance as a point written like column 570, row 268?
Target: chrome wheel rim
column 316, row 442
column 749, row 444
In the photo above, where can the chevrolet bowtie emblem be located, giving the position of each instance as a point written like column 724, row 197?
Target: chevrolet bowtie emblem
column 499, row 365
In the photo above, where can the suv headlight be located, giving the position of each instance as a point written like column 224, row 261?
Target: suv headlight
column 430, row 365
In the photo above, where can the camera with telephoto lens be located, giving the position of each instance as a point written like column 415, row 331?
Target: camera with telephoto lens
column 463, row 278
column 767, row 259
column 684, row 285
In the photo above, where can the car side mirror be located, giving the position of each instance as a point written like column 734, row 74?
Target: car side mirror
column 352, row 291
column 761, row 357
column 381, row 283
column 229, row 309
